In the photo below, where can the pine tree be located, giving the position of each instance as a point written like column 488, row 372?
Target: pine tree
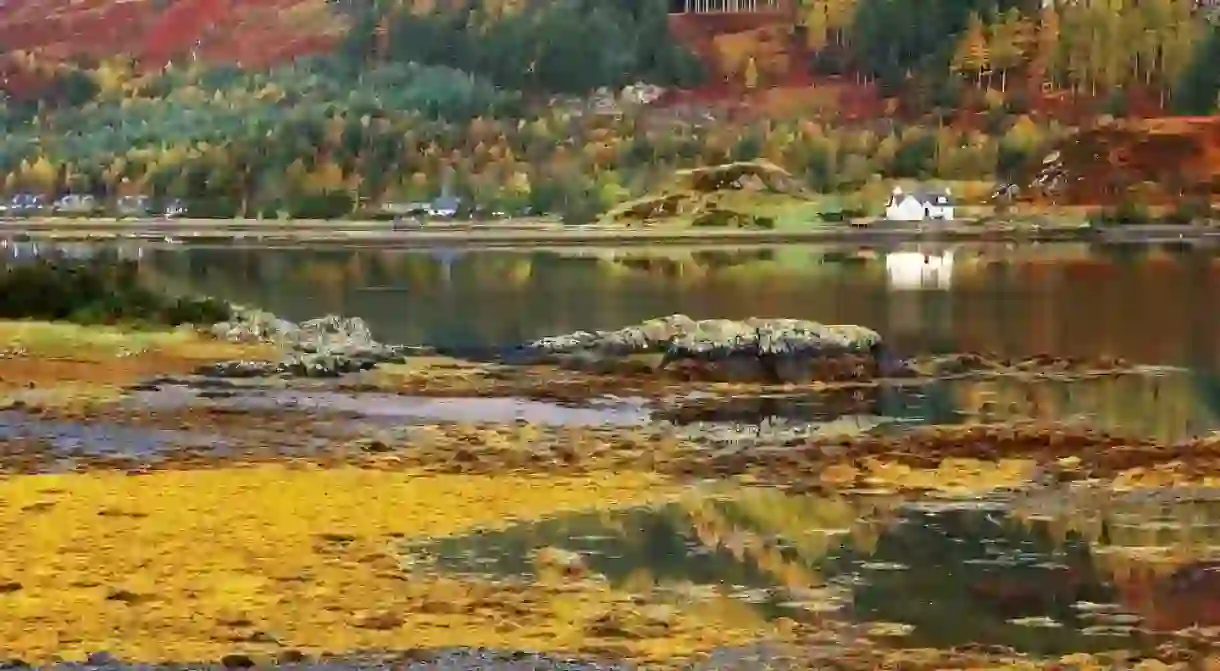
column 1196, row 90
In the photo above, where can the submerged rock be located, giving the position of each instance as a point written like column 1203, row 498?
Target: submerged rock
column 786, row 350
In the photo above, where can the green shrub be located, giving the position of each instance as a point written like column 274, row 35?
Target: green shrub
column 100, row 291
column 373, row 214
column 714, row 219
column 1190, row 210
column 214, row 208
column 324, row 205
column 1127, row 212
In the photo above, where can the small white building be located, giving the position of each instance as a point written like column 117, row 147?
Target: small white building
column 919, row 207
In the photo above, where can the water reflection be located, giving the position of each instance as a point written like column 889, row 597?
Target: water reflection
column 1027, row 574
column 1169, row 407
column 1149, row 307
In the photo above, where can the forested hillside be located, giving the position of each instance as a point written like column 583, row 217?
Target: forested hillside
column 516, row 104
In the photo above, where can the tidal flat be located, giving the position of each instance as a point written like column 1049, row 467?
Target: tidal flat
column 260, row 491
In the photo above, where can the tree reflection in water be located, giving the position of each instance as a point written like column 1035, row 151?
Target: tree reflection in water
column 1012, row 302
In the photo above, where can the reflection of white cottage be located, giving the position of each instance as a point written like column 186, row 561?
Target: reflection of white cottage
column 915, row 270
column 918, row 207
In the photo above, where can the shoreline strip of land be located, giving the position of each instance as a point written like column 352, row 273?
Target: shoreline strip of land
column 507, row 235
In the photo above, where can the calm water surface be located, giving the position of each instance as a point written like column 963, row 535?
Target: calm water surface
column 1043, row 576
column 1148, row 305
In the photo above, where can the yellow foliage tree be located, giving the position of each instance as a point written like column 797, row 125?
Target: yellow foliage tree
column 751, row 74
column 327, row 176
column 1009, row 42
column 972, row 54
column 39, row 175
column 816, row 22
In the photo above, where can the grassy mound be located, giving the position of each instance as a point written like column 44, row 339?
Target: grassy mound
column 710, row 197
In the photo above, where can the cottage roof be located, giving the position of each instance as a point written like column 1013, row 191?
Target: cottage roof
column 938, row 197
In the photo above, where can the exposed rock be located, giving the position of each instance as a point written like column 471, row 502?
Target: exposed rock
column 560, row 561
column 785, row 350
column 653, row 335
column 329, row 346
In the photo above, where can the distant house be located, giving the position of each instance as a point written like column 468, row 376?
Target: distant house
column 903, row 207
column 919, row 207
column 445, row 206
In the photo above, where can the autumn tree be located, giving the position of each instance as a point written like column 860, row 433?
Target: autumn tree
column 816, row 22
column 1046, row 60
column 972, row 53
column 1007, row 44
column 750, row 73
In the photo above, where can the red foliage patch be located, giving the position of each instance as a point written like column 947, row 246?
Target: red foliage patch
column 226, row 30
column 180, row 26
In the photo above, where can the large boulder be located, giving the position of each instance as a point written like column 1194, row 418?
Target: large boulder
column 788, row 350
column 328, row 346
column 652, row 336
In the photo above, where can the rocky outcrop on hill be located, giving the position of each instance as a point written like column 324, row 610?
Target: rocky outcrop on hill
column 694, row 196
column 329, row 346
column 781, row 350
column 1151, row 161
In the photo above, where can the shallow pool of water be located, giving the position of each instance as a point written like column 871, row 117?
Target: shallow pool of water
column 1048, row 573
column 97, row 439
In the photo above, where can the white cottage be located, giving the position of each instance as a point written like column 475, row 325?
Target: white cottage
column 919, row 207
column 903, row 207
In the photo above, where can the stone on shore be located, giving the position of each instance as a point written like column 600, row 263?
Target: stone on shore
column 329, row 346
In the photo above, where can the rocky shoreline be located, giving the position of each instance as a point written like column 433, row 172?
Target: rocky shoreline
column 674, row 348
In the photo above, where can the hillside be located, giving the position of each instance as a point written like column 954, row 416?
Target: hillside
column 254, row 33
column 532, row 105
column 1067, row 61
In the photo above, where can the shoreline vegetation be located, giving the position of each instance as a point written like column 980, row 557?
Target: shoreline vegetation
column 744, row 202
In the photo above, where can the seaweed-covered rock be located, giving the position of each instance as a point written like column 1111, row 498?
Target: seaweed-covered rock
column 328, row 346
column 788, row 350
column 251, row 325
column 653, row 335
